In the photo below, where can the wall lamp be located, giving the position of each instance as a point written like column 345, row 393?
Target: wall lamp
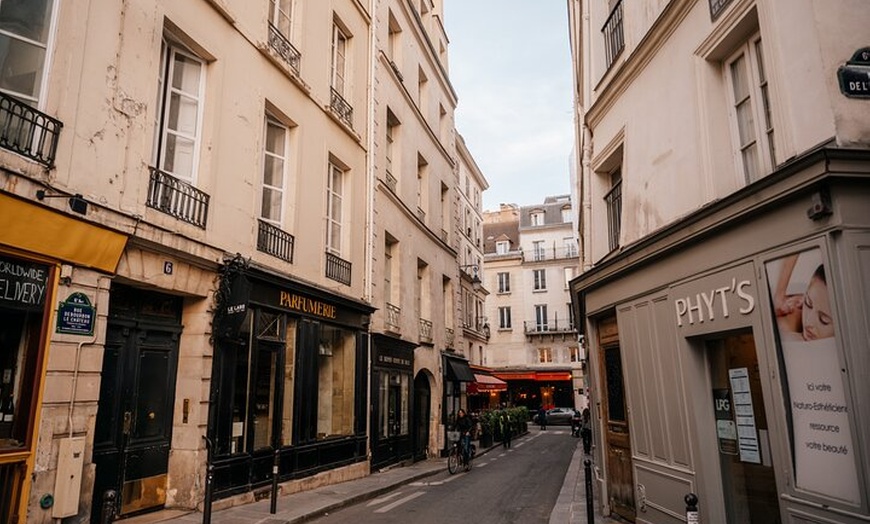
column 476, row 283
column 76, row 202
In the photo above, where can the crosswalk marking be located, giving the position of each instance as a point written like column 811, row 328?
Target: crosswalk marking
column 384, row 499
column 399, row 502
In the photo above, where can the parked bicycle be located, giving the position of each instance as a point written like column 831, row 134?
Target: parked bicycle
column 456, row 459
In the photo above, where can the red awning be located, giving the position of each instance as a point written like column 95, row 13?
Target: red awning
column 540, row 376
column 485, row 384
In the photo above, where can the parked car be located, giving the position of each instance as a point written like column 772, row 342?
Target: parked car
column 560, row 416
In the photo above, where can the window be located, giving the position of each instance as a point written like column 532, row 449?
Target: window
column 504, row 317
column 390, row 149
column 389, row 246
column 541, row 317
column 566, row 214
column 422, row 82
column 540, row 277
column 574, row 354
column 545, row 355
column 504, row 282
column 502, row 247
column 393, row 395
column 569, row 275
column 336, row 382
column 177, row 136
column 334, row 205
column 24, row 35
column 751, row 110
column 339, row 59
column 422, row 166
column 275, row 151
column 393, row 41
column 613, row 201
column 538, row 250
column 281, row 16
column 537, row 218
column 570, row 247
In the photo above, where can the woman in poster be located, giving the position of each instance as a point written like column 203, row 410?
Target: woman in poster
column 807, row 315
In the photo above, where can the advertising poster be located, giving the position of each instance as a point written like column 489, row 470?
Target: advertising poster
column 824, row 454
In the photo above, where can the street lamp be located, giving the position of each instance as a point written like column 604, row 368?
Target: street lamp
column 476, row 283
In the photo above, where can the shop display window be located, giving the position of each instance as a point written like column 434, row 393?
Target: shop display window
column 336, row 382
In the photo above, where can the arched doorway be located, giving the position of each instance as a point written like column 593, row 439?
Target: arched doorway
column 422, row 414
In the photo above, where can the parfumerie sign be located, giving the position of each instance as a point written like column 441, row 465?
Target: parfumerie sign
column 22, row 284
column 306, row 305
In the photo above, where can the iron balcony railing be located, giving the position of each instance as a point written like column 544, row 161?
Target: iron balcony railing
column 338, row 269
column 552, row 327
column 391, row 181
column 425, row 331
column 275, row 241
column 340, row 107
column 614, row 38
column 177, row 198
column 27, row 131
column 393, row 318
column 550, row 253
column 284, row 48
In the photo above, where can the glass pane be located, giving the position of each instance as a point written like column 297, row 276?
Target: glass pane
column 383, row 404
column 750, row 163
column 264, row 394
column 289, row 359
column 182, row 114
column 273, row 172
column 13, row 337
column 613, row 377
column 739, row 80
column 27, row 18
column 179, row 156
column 239, row 429
column 186, row 73
column 745, row 123
column 335, row 399
column 271, row 205
column 21, row 66
column 275, row 138
column 404, row 426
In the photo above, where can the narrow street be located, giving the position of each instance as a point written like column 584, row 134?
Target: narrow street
column 519, row 484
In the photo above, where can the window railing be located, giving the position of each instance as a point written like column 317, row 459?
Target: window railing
column 613, row 199
column 552, row 327
column 177, row 198
column 340, row 107
column 391, row 181
column 337, row 269
column 28, row 132
column 275, row 241
column 551, row 253
column 284, row 48
column 425, row 331
column 614, row 38
column 393, row 318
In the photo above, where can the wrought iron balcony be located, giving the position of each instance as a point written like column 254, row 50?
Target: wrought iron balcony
column 393, row 318
column 27, row 131
column 341, row 107
column 553, row 327
column 425, row 331
column 275, row 241
column 614, row 38
column 284, row 48
column 551, row 253
column 177, row 198
column 338, row 269
column 391, row 181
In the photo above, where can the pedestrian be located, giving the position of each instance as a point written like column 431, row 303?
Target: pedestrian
column 464, row 426
column 504, row 421
column 586, row 432
column 542, row 418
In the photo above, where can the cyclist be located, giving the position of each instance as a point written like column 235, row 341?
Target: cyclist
column 463, row 426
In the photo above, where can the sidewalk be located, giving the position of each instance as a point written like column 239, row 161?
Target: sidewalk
column 300, row 507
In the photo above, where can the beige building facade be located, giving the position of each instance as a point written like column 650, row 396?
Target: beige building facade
column 722, row 171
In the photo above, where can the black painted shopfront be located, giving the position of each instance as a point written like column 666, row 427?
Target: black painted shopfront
column 392, row 398
column 289, row 381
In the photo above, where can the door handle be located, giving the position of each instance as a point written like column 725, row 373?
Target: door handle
column 128, row 423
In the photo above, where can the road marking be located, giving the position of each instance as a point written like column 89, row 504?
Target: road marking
column 399, row 502
column 384, row 499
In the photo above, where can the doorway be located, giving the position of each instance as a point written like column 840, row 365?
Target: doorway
column 137, row 391
column 422, row 413
column 748, row 479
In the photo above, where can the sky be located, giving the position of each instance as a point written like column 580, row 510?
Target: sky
column 510, row 66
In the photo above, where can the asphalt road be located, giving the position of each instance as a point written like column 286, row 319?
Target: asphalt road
column 517, row 485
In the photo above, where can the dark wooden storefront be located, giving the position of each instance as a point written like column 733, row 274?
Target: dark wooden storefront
column 392, row 396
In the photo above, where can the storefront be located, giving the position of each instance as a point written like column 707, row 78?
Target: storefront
column 727, row 354
column 457, row 374
column 290, row 386
column 538, row 388
column 392, row 398
column 486, row 391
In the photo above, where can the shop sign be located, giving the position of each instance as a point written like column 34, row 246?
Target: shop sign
column 824, row 453
column 22, row 284
column 726, row 429
column 75, row 315
column 716, row 302
column 854, row 76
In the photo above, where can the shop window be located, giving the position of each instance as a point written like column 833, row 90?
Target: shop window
column 24, row 36
column 393, row 396
column 336, row 382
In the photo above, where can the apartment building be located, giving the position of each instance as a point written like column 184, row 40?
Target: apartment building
column 183, row 193
column 724, row 175
column 530, row 255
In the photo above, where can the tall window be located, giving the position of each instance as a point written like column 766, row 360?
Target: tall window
column 281, row 16
column 502, row 247
column 393, row 40
column 504, row 317
column 274, row 171
column 336, row 382
column 570, row 247
column 421, row 186
column 574, row 354
column 566, row 214
column 24, row 34
column 339, row 59
column 541, row 317
column 540, row 277
column 504, row 282
column 613, row 200
column 389, row 246
column 751, row 110
column 334, row 205
column 545, row 355
column 422, row 82
column 537, row 218
column 538, row 250
column 179, row 100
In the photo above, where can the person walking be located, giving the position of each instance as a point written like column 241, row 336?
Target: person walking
column 542, row 418
column 586, row 432
column 504, row 421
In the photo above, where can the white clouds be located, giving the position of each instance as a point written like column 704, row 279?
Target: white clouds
column 510, row 65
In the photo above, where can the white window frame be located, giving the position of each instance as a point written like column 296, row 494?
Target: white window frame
column 169, row 53
column 504, row 317
column 504, row 282
column 757, row 100
column 338, row 72
column 566, row 214
column 545, row 355
column 540, row 279
column 272, row 122
column 539, row 251
column 335, row 202
column 280, row 10
column 37, row 99
column 541, row 317
column 502, row 247
column 536, row 218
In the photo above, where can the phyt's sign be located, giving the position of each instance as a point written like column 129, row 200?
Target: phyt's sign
column 720, row 301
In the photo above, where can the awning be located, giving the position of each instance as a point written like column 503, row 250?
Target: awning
column 486, row 383
column 458, row 370
column 539, row 376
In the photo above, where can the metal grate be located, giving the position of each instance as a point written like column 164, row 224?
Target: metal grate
column 176, row 198
column 27, row 131
column 275, row 241
column 284, row 48
column 338, row 269
column 340, row 106
column 614, row 38
column 613, row 199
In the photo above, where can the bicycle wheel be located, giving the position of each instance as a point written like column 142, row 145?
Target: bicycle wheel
column 453, row 460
